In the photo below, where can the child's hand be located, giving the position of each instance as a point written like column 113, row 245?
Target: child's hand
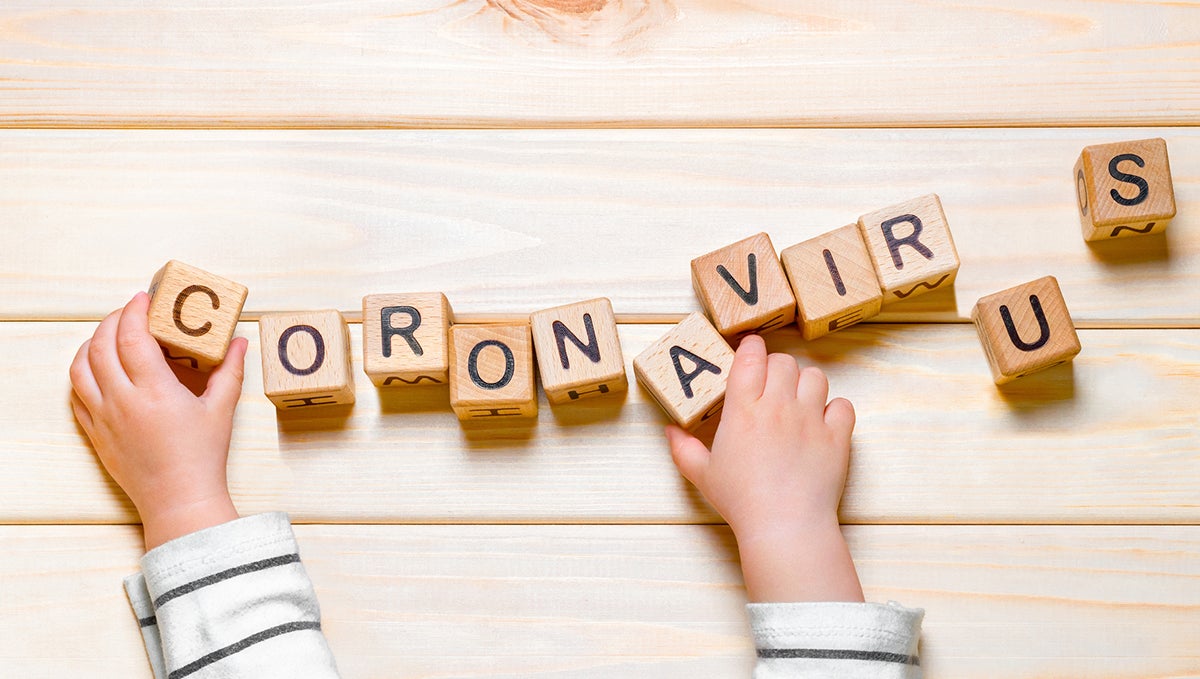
column 165, row 446
column 776, row 473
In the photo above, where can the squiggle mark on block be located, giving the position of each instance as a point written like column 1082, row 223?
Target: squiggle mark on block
column 925, row 284
column 1130, row 228
column 191, row 361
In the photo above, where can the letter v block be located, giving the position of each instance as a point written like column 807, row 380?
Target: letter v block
column 306, row 359
column 1025, row 329
column 834, row 281
column 578, row 351
column 911, row 248
column 491, row 372
column 686, row 370
column 743, row 288
column 1124, row 189
column 193, row 314
column 405, row 339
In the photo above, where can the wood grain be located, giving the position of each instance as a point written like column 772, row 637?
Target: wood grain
column 502, row 63
column 1110, row 438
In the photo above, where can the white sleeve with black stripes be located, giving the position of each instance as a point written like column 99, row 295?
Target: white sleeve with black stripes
column 844, row 640
column 231, row 601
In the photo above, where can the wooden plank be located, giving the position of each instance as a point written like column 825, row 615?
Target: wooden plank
column 293, row 63
column 1111, row 439
column 1012, row 602
column 507, row 223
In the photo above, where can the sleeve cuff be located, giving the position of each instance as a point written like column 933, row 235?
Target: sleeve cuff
column 860, row 631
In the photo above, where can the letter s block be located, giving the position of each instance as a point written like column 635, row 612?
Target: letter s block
column 193, row 314
column 743, row 288
column 1124, row 189
column 578, row 351
column 686, row 371
column 1025, row 329
column 306, row 359
column 491, row 372
column 911, row 247
column 405, row 339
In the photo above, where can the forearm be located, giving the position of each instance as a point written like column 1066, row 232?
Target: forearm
column 808, row 562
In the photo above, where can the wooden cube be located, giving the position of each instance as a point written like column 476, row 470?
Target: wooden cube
column 1124, row 189
column 833, row 280
column 405, row 339
column 1025, row 329
column 193, row 314
column 491, row 372
column 911, row 248
column 578, row 351
column 743, row 288
column 306, row 359
column 686, row 369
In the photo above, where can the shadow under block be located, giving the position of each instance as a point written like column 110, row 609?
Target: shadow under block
column 1025, row 329
column 193, row 314
column 685, row 371
column 833, row 280
column 743, row 288
column 405, row 338
column 911, row 247
column 578, row 351
column 1124, row 189
column 491, row 372
column 306, row 359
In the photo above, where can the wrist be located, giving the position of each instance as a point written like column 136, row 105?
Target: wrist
column 163, row 522
column 798, row 562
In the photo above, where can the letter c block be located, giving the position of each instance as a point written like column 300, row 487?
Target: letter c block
column 193, row 314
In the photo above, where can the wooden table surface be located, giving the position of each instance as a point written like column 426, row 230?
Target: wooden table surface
column 519, row 154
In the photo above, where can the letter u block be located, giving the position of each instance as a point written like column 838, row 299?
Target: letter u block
column 743, row 288
column 1124, row 189
column 306, row 359
column 405, row 339
column 686, row 370
column 578, row 351
column 911, row 247
column 1025, row 329
column 193, row 314
column 491, row 372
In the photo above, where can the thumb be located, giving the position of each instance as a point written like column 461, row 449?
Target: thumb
column 690, row 455
column 225, row 383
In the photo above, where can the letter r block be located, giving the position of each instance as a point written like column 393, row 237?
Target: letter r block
column 685, row 371
column 743, row 288
column 833, row 280
column 1025, row 329
column 491, row 372
column 911, row 247
column 193, row 314
column 306, row 359
column 405, row 338
column 578, row 351
column 1124, row 189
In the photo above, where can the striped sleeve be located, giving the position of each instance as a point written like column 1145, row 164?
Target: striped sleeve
column 230, row 601
column 844, row 640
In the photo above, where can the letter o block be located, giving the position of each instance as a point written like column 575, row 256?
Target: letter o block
column 491, row 372
column 193, row 314
column 306, row 359
column 405, row 339
column 1124, row 189
column 1025, row 329
column 911, row 247
column 578, row 351
column 686, row 370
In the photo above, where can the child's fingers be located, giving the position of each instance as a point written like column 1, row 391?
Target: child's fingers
column 82, row 414
column 225, row 383
column 690, row 455
column 840, row 417
column 139, row 352
column 102, row 355
column 782, row 374
column 83, row 382
column 813, row 389
column 749, row 372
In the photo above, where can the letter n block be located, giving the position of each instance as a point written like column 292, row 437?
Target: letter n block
column 911, row 247
column 578, row 351
column 491, row 372
column 743, row 288
column 1124, row 189
column 686, row 370
column 193, row 314
column 1025, row 329
column 405, row 339
column 833, row 280
column 306, row 359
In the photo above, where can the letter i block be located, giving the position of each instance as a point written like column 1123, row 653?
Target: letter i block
column 833, row 280
column 1124, row 189
column 491, row 372
column 306, row 359
column 193, row 314
column 743, row 288
column 686, row 370
column 405, row 339
column 578, row 351
column 911, row 247
column 1025, row 329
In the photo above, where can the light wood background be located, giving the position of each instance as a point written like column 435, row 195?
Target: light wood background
column 1050, row 529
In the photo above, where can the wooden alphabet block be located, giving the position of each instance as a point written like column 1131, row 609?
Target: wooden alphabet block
column 491, row 372
column 193, row 314
column 833, row 280
column 911, row 247
column 1124, row 189
column 578, row 351
column 306, row 359
column 405, row 338
column 686, row 370
column 1025, row 329
column 743, row 288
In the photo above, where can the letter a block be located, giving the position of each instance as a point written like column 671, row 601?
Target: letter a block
column 743, row 288
column 491, row 372
column 193, row 314
column 405, row 339
column 306, row 359
column 1124, row 189
column 578, row 351
column 686, row 370
column 911, row 247
column 1025, row 329
column 833, row 280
